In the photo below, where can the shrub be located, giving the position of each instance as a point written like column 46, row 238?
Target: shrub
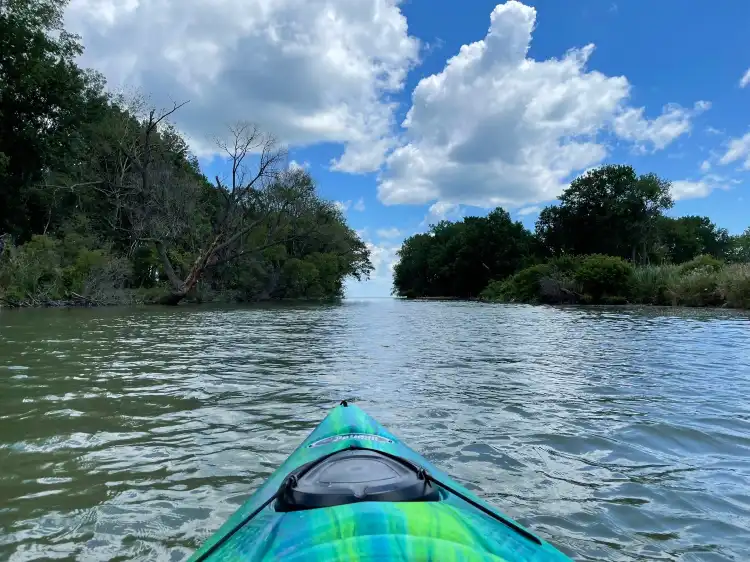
column 699, row 287
column 652, row 284
column 701, row 262
column 521, row 287
column 605, row 278
column 566, row 265
column 46, row 269
column 33, row 270
column 733, row 285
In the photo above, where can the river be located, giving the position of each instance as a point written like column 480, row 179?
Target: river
column 617, row 434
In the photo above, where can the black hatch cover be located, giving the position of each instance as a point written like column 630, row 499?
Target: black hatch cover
column 352, row 476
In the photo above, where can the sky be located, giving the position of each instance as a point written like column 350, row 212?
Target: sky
column 409, row 112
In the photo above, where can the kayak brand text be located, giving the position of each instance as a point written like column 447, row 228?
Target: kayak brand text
column 348, row 436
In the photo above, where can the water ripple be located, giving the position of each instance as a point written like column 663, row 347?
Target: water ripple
column 618, row 434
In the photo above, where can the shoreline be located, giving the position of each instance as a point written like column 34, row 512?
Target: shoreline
column 723, row 306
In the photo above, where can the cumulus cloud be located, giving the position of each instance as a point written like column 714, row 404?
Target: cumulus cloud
column 533, row 210
column 674, row 121
column 294, row 165
column 738, row 149
column 346, row 205
column 304, row 71
column 442, row 210
column 495, row 127
column 389, row 232
column 687, row 189
column 383, row 257
column 745, row 80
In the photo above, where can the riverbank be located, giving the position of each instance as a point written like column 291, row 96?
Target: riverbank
column 701, row 282
column 151, row 298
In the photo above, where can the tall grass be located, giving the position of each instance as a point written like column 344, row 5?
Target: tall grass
column 652, row 284
column 701, row 282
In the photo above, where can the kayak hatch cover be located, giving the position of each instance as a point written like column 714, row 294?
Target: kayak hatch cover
column 353, row 491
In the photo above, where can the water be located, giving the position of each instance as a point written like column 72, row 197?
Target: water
column 617, row 434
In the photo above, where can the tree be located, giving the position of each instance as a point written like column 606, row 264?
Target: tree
column 45, row 102
column 258, row 207
column 609, row 210
column 681, row 239
column 107, row 192
column 460, row 258
column 739, row 247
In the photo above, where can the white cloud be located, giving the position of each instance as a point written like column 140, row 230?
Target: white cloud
column 497, row 128
column 533, row 210
column 346, row 205
column 389, row 232
column 738, row 149
column 745, row 80
column 714, row 131
column 383, row 257
column 304, row 71
column 687, row 189
column 674, row 121
column 294, row 165
column 442, row 210
column 705, row 166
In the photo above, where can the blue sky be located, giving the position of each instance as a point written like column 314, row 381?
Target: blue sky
column 401, row 135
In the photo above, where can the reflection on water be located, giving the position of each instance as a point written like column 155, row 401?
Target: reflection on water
column 617, row 434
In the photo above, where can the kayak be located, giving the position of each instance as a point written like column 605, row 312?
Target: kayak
column 353, row 491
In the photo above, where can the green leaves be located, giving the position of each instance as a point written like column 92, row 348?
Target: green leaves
column 609, row 210
column 459, row 259
column 45, row 103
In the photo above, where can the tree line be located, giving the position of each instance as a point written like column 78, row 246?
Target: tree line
column 101, row 200
column 610, row 211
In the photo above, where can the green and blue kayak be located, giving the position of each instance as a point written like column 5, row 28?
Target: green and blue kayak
column 353, row 491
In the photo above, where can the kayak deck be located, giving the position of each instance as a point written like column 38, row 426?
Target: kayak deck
column 449, row 529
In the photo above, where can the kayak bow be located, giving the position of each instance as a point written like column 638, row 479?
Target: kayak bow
column 353, row 491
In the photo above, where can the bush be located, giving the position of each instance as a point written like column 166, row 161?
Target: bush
column 605, row 278
column 33, row 271
column 733, row 285
column 699, row 287
column 46, row 269
column 600, row 279
column 652, row 284
column 701, row 262
column 521, row 287
column 566, row 265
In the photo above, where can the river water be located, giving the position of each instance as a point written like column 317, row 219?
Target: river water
column 131, row 434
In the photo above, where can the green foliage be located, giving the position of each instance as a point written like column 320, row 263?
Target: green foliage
column 609, row 210
column 605, row 277
column 682, row 239
column 34, row 270
column 701, row 262
column 46, row 269
column 733, row 284
column 739, row 248
column 460, row 258
column 46, row 103
column 697, row 287
column 104, row 204
column 552, row 282
column 523, row 286
column 652, row 284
